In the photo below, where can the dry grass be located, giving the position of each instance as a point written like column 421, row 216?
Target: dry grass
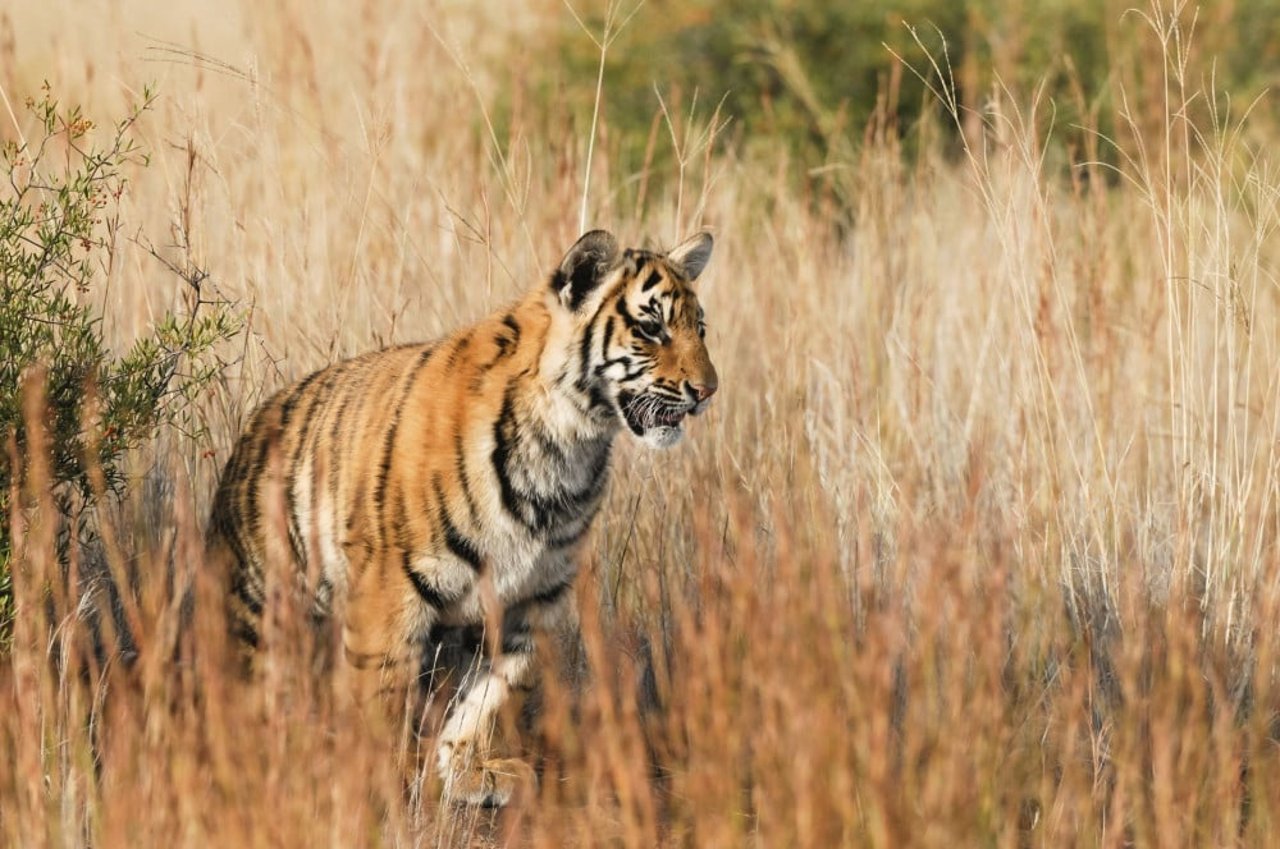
column 978, row 547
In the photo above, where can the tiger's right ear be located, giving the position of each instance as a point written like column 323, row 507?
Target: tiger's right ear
column 583, row 267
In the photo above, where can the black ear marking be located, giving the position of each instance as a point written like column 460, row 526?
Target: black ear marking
column 583, row 267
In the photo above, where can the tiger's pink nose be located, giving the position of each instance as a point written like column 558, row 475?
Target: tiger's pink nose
column 704, row 391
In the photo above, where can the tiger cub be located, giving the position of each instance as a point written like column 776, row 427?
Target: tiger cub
column 443, row 483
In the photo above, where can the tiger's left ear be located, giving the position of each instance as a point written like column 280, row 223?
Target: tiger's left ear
column 583, row 267
column 692, row 255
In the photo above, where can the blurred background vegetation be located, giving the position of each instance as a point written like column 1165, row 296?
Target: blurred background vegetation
column 818, row 76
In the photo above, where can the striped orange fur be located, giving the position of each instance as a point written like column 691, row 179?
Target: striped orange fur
column 421, row 480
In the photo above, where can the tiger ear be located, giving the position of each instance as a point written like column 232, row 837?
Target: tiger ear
column 691, row 256
column 583, row 267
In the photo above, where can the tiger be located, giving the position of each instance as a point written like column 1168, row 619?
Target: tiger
column 453, row 483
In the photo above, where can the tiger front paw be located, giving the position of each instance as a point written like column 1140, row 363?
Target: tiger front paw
column 484, row 782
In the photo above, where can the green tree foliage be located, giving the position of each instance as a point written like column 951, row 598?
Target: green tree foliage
column 59, row 222
column 815, row 74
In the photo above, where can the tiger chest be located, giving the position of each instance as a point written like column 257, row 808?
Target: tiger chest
column 533, row 545
column 548, row 493
column 542, row 500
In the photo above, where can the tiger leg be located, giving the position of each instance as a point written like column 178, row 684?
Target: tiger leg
column 381, row 640
column 474, row 769
column 466, row 752
column 244, row 604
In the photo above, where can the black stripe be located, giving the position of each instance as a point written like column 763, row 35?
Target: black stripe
column 384, row 475
column 608, row 336
column 673, row 305
column 227, row 526
column 334, row 466
column 295, row 394
column 555, row 509
column 351, row 394
column 550, row 595
column 634, row 375
column 322, row 603
column 584, row 354
column 574, row 536
column 428, row 593
column 241, row 590
column 292, row 531
column 388, row 447
column 464, row 342
column 245, row 633
column 400, row 524
column 623, row 361
column 548, row 444
column 254, row 476
column 504, row 435
column 461, row 547
column 653, row 280
column 518, row 641
column 464, row 479
column 318, row 410
column 507, row 342
column 627, row 318
column 598, row 478
column 291, row 464
column 598, row 400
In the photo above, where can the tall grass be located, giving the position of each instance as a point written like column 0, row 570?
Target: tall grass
column 977, row 547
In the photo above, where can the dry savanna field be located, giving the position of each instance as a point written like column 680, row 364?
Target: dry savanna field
column 979, row 544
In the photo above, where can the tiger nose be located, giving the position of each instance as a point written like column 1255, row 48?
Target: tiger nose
column 703, row 391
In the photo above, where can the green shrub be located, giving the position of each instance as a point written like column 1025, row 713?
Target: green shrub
column 59, row 223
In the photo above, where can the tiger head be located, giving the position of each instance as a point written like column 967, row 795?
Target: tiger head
column 640, row 355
